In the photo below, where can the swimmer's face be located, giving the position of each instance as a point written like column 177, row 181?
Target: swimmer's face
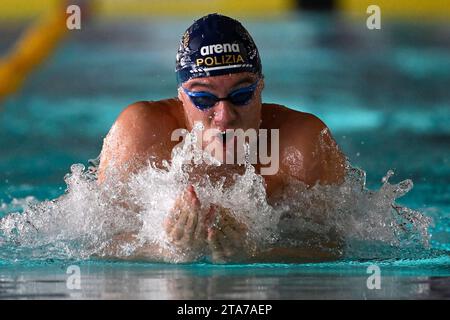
column 223, row 115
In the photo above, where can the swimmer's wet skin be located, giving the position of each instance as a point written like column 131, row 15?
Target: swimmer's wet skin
column 220, row 81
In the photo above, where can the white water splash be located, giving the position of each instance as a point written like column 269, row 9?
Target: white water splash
column 84, row 221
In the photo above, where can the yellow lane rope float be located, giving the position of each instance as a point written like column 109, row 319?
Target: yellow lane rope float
column 32, row 48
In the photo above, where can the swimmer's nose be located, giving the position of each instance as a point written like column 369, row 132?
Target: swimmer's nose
column 224, row 114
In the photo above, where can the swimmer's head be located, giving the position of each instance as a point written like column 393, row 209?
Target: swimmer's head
column 219, row 76
column 216, row 45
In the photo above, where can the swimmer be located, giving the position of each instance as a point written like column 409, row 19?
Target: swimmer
column 220, row 81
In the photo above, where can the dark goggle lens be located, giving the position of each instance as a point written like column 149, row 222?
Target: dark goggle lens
column 204, row 102
column 241, row 98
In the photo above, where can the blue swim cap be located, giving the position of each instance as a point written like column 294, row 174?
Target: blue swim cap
column 216, row 45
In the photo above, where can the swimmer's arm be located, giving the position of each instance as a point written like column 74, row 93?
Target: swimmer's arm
column 229, row 246
column 328, row 250
column 141, row 132
column 322, row 162
column 148, row 252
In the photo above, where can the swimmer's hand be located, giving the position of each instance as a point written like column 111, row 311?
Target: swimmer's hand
column 186, row 224
column 227, row 238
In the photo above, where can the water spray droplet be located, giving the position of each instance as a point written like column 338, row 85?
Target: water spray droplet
column 389, row 174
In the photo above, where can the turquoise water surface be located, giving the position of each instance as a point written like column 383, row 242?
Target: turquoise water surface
column 384, row 95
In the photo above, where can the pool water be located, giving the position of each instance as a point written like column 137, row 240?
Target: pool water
column 384, row 95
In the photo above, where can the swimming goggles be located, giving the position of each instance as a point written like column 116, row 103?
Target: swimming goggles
column 205, row 100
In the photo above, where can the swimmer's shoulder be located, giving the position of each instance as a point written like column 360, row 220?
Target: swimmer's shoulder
column 150, row 113
column 145, row 123
column 276, row 116
column 142, row 129
column 310, row 136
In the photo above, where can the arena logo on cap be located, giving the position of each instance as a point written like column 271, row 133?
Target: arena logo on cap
column 219, row 48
